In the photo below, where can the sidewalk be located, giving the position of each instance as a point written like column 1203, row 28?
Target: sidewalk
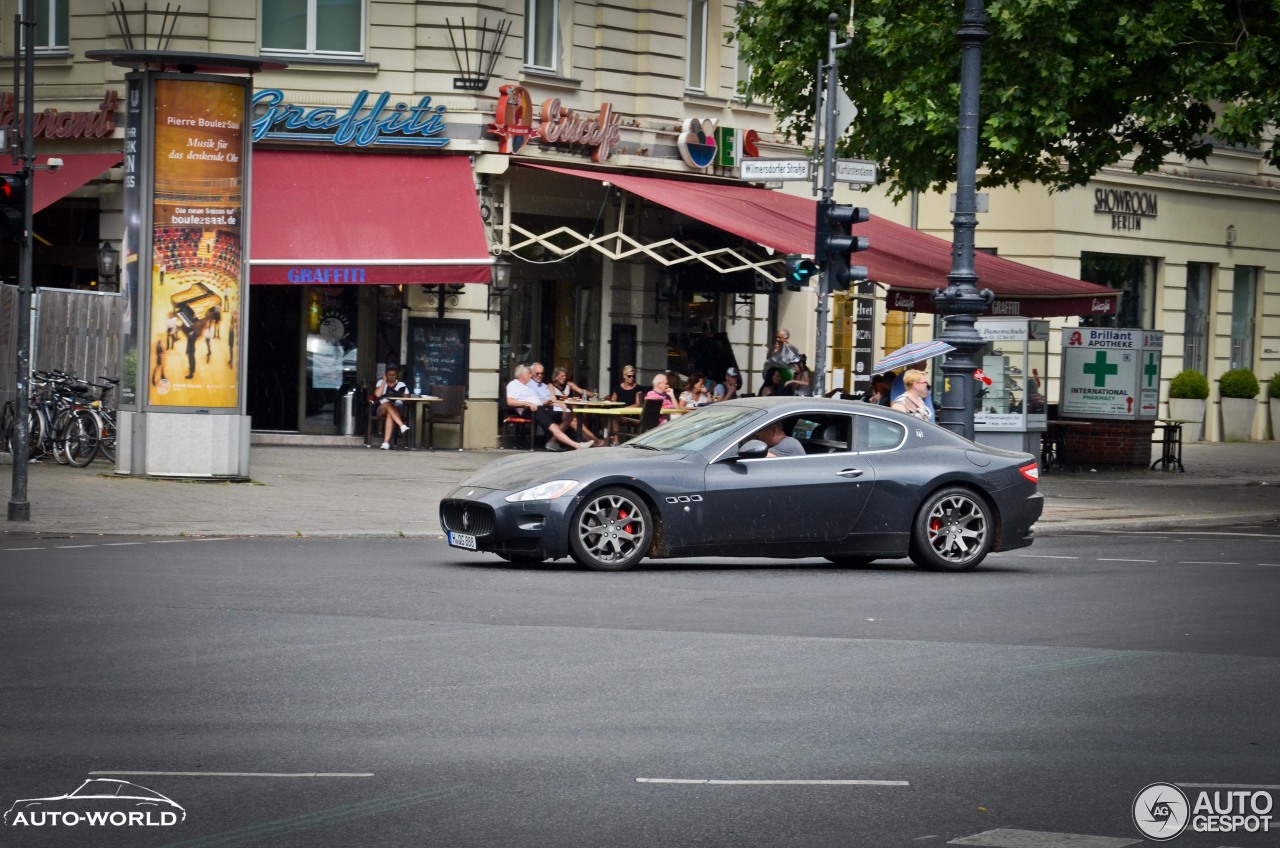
column 328, row 491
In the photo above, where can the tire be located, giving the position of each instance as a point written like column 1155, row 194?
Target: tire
column 851, row 561
column 82, row 438
column 953, row 531
column 60, row 425
column 611, row 531
column 107, row 445
column 35, row 434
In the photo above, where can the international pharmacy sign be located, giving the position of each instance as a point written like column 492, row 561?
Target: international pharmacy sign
column 1110, row 373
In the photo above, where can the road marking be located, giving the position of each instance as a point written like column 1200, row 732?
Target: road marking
column 724, row 782
column 24, row 549
column 1009, row 838
column 240, row 773
column 1204, row 562
column 66, row 547
column 1104, row 559
column 1048, row 556
column 166, row 541
column 120, row 544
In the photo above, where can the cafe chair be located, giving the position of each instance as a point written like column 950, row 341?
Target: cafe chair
column 450, row 409
column 651, row 415
column 516, row 427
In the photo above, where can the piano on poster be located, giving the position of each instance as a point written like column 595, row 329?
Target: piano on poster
column 195, row 303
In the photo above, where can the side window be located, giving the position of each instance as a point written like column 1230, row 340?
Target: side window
column 322, row 28
column 541, row 34
column 877, row 434
column 821, row 433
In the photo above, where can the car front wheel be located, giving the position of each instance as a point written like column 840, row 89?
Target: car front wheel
column 611, row 531
column 952, row 531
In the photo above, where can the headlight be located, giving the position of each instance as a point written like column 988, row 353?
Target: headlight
column 548, row 491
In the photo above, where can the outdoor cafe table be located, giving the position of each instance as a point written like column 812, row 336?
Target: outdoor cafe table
column 591, row 408
column 420, row 403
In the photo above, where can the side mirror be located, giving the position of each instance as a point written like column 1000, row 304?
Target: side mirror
column 754, row 449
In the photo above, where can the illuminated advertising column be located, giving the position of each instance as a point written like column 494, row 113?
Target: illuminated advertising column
column 185, row 255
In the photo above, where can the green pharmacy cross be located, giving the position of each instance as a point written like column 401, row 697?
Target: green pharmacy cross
column 1101, row 369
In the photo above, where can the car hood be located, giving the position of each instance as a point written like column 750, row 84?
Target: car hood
column 517, row 472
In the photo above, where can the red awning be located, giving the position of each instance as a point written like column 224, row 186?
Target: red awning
column 324, row 217
column 77, row 169
column 911, row 263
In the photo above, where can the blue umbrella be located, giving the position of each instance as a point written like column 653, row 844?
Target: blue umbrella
column 911, row 354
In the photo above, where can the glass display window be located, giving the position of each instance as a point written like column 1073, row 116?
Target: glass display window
column 1013, row 364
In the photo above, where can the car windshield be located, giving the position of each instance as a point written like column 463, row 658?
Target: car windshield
column 695, row 430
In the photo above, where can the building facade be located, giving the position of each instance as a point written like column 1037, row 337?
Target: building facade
column 462, row 189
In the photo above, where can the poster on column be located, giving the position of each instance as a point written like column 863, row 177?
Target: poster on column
column 196, row 268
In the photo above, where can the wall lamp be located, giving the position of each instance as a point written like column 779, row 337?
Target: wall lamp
column 108, row 263
column 1231, row 234
column 499, row 283
column 668, row 292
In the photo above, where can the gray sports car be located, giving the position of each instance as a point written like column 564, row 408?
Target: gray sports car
column 759, row 477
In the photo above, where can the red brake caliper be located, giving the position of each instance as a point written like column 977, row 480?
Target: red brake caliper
column 622, row 514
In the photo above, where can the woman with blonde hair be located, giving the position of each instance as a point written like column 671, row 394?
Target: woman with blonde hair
column 912, row 401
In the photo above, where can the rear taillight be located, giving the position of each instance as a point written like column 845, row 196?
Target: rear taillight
column 1032, row 472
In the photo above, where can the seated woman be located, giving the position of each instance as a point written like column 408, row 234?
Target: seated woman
column 561, row 389
column 773, row 382
column 695, row 392
column 386, row 395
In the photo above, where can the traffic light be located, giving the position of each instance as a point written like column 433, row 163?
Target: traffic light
column 836, row 242
column 13, row 212
column 799, row 271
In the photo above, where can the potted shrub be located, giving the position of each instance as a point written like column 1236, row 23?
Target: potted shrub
column 1188, row 396
column 1237, row 388
column 1273, row 392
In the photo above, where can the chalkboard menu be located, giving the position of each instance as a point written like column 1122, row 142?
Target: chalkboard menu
column 438, row 350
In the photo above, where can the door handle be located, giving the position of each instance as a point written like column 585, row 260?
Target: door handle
column 850, row 472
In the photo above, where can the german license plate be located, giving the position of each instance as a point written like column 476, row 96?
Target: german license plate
column 462, row 540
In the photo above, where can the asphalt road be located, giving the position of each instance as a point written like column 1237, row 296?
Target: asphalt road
column 344, row 692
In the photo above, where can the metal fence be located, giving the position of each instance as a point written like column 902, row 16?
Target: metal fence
column 77, row 332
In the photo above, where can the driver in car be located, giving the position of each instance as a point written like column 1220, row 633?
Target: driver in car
column 778, row 442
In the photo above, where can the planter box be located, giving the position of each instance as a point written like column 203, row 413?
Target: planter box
column 1189, row 410
column 1237, row 418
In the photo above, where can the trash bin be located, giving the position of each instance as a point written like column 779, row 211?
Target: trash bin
column 347, row 412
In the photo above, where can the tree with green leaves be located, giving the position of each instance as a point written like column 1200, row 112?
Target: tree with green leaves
column 1068, row 86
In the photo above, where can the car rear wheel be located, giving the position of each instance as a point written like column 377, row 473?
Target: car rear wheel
column 611, row 531
column 952, row 531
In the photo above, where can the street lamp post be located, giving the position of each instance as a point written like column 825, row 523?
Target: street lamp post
column 961, row 302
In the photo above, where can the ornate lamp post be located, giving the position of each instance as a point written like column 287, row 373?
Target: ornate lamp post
column 108, row 263
column 961, row 302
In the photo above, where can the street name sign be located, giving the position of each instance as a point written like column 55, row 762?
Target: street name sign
column 856, row 171
column 761, row 169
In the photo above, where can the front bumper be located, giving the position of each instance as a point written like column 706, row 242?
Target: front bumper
column 527, row 529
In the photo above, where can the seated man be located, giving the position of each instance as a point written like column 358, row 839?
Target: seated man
column 778, row 442
column 386, row 394
column 526, row 393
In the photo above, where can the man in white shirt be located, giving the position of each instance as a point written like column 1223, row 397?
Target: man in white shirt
column 527, row 391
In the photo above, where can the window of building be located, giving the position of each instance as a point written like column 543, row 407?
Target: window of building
column 51, row 26
column 744, row 77
column 326, row 28
column 696, row 57
column 1134, row 276
column 1244, row 298
column 541, row 34
column 1195, row 319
